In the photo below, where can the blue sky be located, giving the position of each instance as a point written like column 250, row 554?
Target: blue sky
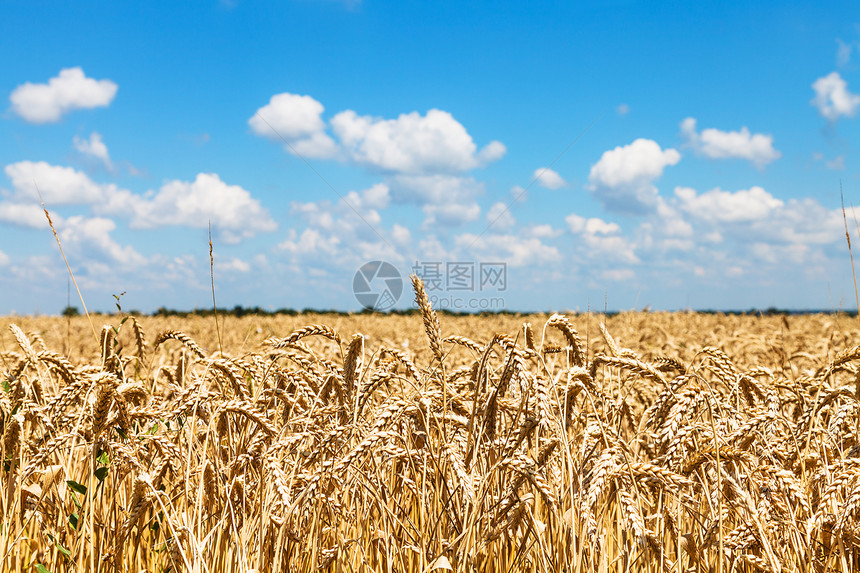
column 617, row 154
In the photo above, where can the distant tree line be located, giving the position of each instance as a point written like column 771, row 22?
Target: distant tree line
column 239, row 311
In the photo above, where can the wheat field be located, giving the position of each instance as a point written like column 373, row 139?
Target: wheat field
column 641, row 442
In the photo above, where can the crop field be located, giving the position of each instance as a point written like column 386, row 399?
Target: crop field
column 658, row 442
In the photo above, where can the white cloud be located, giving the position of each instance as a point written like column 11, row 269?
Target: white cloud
column 94, row 147
column 375, row 197
column 601, row 239
column 432, row 249
column 232, row 264
column 344, row 246
column 543, row 231
column 26, row 215
column 519, row 194
column 440, row 196
column 344, row 235
column 672, row 223
column 36, row 270
column 592, row 226
column 58, row 185
column 234, row 214
column 292, row 116
column 837, row 163
column 70, row 90
column 354, row 217
column 667, row 231
column 721, row 206
column 832, row 97
column 515, row 250
column 776, row 254
column 4, row 259
column 491, row 152
column 423, row 157
column 316, row 214
column 803, row 222
column 310, row 243
column 716, row 144
column 90, row 236
column 298, row 119
column 622, row 180
column 548, row 178
column 412, row 143
column 629, row 164
column 755, row 216
column 499, row 217
column 450, row 214
column 618, row 275
column 401, row 235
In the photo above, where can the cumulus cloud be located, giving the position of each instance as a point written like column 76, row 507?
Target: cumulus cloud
column 298, row 120
column 802, row 222
column 618, row 275
column 592, row 226
column 233, row 265
column 26, row 215
column 717, row 205
column 450, row 215
column 412, row 143
column 346, row 232
column 320, row 250
column 515, row 250
column 519, row 194
column 356, row 214
column 499, row 217
column 666, row 231
column 601, row 239
column 377, row 196
column 4, row 259
column 832, row 97
column 70, row 90
column 623, row 179
column 543, row 231
column 776, row 254
column 401, row 235
column 94, row 147
column 432, row 249
column 311, row 243
column 58, row 185
column 835, row 164
column 491, row 152
column 548, row 178
column 715, row 144
column 440, row 196
column 755, row 216
column 423, row 158
column 233, row 213
column 91, row 236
